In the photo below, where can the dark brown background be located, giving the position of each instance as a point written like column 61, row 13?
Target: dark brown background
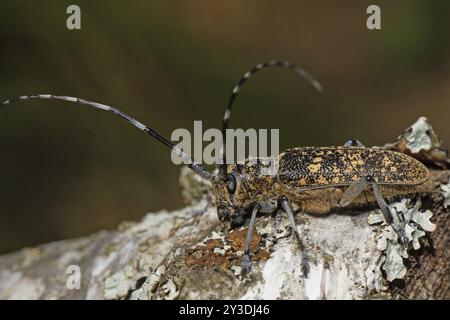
column 67, row 171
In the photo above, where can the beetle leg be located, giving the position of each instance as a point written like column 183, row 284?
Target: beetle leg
column 353, row 190
column 246, row 262
column 389, row 217
column 357, row 187
column 353, row 143
column 290, row 212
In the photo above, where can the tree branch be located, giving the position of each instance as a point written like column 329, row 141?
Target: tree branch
column 188, row 253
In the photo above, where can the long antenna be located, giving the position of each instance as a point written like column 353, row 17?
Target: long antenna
column 197, row 168
column 226, row 118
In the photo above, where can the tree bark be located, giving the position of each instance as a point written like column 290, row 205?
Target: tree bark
column 189, row 254
column 428, row 273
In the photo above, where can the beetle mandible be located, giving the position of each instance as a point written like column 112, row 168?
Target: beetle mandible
column 315, row 180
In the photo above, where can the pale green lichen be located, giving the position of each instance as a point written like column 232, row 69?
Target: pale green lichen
column 118, row 284
column 421, row 141
column 219, row 251
column 446, row 194
column 414, row 234
column 416, row 222
column 237, row 270
column 421, row 218
column 395, row 252
column 375, row 218
column 170, row 290
column 418, row 138
column 271, row 233
column 148, row 288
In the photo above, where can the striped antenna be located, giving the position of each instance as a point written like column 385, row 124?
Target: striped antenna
column 197, row 168
column 237, row 89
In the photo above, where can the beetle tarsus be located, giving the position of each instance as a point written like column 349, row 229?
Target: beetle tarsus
column 389, row 217
column 403, row 239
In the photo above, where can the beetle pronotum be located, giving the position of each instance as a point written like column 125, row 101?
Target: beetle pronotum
column 310, row 179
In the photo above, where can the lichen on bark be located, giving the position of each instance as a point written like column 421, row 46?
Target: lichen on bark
column 190, row 254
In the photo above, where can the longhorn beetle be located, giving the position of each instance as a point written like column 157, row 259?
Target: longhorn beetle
column 315, row 180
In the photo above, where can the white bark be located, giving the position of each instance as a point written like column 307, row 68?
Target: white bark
column 189, row 254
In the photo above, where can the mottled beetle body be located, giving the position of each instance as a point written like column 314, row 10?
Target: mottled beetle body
column 317, row 167
column 314, row 180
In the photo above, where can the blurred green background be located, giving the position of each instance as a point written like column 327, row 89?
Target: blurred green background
column 67, row 171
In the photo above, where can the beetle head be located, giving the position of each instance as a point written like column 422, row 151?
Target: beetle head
column 231, row 193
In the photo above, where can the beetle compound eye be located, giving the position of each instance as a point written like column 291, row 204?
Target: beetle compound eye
column 231, row 184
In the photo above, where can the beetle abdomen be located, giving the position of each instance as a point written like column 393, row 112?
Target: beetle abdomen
column 336, row 166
